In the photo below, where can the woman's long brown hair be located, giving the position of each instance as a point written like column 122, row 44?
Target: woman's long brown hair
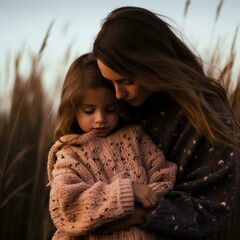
column 137, row 43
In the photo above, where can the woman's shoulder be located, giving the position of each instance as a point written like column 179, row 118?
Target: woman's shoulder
column 217, row 104
column 221, row 107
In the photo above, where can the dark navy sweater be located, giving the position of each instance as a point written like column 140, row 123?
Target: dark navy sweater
column 207, row 174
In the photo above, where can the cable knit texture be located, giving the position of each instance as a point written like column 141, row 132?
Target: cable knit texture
column 91, row 181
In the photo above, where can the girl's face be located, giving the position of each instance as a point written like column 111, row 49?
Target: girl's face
column 98, row 112
column 126, row 89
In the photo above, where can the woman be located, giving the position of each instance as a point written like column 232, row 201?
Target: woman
column 185, row 112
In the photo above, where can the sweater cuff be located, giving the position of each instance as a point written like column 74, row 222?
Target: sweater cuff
column 126, row 196
column 162, row 215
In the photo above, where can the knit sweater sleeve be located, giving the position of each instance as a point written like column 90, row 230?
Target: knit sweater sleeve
column 78, row 203
column 161, row 174
column 206, row 181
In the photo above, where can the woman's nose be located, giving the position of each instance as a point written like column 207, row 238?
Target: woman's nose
column 121, row 93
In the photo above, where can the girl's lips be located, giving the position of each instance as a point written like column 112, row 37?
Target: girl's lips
column 100, row 132
column 100, row 129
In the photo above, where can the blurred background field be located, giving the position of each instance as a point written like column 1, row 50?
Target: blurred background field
column 27, row 114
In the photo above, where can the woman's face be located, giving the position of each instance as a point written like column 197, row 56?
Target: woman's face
column 126, row 89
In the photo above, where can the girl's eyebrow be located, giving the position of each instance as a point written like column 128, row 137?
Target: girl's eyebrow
column 88, row 105
column 92, row 105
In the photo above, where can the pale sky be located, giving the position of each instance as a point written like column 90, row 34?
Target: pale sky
column 24, row 24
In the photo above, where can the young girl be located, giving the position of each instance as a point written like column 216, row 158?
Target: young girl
column 165, row 86
column 100, row 170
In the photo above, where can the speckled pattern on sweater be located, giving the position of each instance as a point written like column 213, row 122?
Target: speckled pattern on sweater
column 207, row 174
column 91, row 181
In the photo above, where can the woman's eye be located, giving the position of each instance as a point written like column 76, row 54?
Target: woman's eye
column 128, row 82
column 112, row 109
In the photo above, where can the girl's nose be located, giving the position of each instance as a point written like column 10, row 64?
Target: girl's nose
column 100, row 118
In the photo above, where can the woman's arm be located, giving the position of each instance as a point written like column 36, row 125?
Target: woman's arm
column 205, row 187
column 202, row 198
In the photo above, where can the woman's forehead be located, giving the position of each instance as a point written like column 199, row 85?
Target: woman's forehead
column 108, row 73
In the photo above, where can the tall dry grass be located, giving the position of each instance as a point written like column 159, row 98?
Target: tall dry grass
column 25, row 140
column 26, row 136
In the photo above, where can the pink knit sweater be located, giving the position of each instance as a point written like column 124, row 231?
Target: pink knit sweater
column 91, row 181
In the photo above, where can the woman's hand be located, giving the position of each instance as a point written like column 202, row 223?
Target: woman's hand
column 144, row 195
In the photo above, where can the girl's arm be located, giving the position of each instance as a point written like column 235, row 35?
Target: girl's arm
column 161, row 177
column 161, row 174
column 137, row 218
column 78, row 204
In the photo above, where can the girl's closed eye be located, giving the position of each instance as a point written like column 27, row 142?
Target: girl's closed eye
column 88, row 111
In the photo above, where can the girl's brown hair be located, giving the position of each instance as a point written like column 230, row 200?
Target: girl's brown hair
column 83, row 74
column 138, row 44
